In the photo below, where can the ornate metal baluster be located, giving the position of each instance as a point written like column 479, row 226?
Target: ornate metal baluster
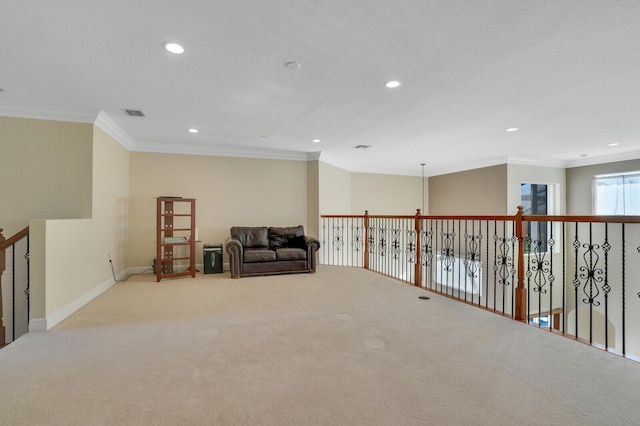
column 426, row 255
column 427, row 248
column 474, row 256
column 592, row 276
column 514, row 270
column 528, row 274
column 504, row 264
column 606, row 288
column 411, row 246
column 396, row 247
column 576, row 282
column 372, row 245
column 372, row 239
column 382, row 244
column 551, row 243
column 338, row 240
column 447, row 254
column 356, row 231
column 27, row 291
column 323, row 247
column 473, row 260
column 540, row 266
column 448, row 258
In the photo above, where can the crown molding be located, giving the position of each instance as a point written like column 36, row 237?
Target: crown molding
column 490, row 162
column 104, row 122
column 538, row 162
column 336, row 162
column 221, row 151
column 602, row 159
column 42, row 112
column 112, row 129
column 385, row 171
column 314, row 156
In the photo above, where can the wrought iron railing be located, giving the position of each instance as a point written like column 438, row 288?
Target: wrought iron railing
column 18, row 274
column 574, row 275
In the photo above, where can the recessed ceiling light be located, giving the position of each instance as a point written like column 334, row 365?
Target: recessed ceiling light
column 511, row 129
column 613, row 144
column 393, row 84
column 316, row 141
column 193, row 130
column 173, row 47
column 293, row 65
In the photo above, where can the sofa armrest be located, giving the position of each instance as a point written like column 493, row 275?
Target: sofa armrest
column 313, row 245
column 235, row 250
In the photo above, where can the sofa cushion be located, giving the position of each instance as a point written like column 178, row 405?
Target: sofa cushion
column 290, row 236
column 291, row 254
column 259, row 255
column 251, row 236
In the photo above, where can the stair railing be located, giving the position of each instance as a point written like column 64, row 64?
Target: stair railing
column 578, row 276
column 4, row 245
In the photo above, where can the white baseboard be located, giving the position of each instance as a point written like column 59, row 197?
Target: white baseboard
column 37, row 324
column 72, row 307
column 136, row 270
column 44, row 324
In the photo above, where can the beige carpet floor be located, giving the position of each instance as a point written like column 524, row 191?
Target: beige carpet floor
column 341, row 347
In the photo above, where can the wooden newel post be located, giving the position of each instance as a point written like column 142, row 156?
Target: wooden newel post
column 521, row 292
column 366, row 239
column 2, row 267
column 418, row 269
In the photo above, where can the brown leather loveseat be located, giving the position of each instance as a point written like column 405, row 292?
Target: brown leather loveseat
column 261, row 250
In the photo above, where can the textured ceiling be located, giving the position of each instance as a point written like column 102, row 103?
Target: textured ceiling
column 566, row 73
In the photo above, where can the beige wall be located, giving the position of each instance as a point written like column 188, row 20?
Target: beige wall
column 228, row 192
column 473, row 192
column 75, row 252
column 579, row 183
column 334, row 190
column 387, row 194
column 45, row 171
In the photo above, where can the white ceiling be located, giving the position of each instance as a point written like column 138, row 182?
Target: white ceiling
column 566, row 73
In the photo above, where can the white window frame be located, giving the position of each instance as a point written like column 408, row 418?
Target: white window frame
column 594, row 192
column 553, row 201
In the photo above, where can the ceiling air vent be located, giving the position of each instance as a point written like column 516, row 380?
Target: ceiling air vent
column 362, row 147
column 133, row 112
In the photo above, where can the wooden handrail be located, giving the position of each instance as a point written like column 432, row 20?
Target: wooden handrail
column 4, row 244
column 525, row 218
column 594, row 219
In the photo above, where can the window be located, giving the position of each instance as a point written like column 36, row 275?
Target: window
column 617, row 194
column 536, row 200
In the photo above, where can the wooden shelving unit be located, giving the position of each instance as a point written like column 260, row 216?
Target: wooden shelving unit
column 175, row 237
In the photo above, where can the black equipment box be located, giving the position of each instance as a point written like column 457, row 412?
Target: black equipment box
column 212, row 258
